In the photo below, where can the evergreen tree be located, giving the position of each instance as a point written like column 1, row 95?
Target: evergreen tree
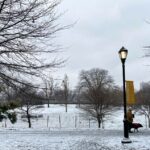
column 5, row 112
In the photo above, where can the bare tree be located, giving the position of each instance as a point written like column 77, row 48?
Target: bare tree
column 116, row 96
column 27, row 30
column 28, row 97
column 95, row 85
column 143, row 100
column 65, row 85
column 49, row 89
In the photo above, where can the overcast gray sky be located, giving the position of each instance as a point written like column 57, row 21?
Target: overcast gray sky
column 102, row 28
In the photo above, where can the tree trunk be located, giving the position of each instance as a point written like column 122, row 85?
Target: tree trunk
column 48, row 102
column 148, row 116
column 99, row 121
column 149, row 122
column 29, row 119
column 66, row 107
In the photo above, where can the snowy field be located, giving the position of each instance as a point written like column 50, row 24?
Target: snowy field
column 58, row 130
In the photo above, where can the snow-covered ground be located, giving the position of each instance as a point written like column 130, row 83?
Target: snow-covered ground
column 58, row 130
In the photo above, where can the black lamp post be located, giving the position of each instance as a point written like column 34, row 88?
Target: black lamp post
column 123, row 55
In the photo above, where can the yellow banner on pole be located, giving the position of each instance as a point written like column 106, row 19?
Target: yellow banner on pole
column 130, row 93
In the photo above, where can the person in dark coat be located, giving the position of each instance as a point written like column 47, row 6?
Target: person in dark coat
column 130, row 117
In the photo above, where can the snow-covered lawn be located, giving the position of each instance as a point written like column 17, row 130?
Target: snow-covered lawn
column 58, row 130
column 72, row 140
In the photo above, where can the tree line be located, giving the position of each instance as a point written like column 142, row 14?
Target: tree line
column 96, row 93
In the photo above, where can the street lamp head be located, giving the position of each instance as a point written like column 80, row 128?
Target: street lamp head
column 123, row 54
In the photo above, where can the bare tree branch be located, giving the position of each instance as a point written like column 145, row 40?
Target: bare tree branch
column 27, row 29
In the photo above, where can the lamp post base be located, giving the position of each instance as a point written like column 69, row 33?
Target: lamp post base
column 126, row 141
